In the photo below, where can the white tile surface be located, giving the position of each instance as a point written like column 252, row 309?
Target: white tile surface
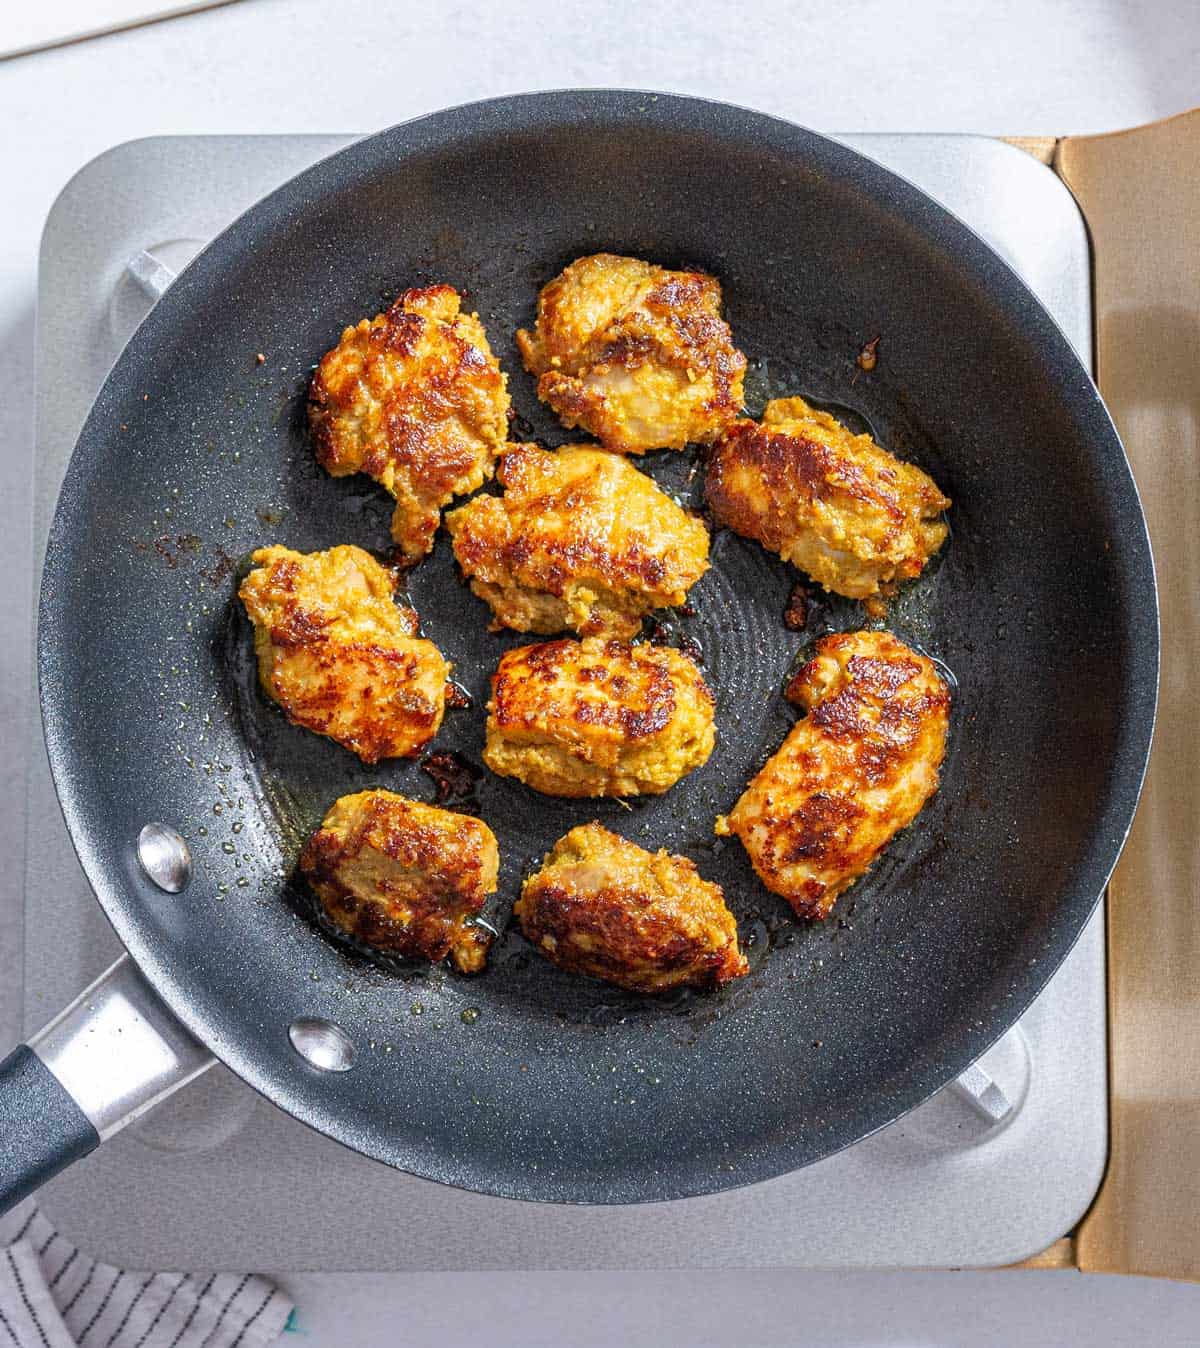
column 27, row 28
column 1014, row 66
column 753, row 1309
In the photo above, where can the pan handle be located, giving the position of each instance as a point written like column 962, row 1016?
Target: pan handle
column 113, row 1054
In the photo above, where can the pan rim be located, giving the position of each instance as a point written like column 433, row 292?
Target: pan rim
column 532, row 112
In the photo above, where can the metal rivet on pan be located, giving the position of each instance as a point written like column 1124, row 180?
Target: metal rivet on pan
column 165, row 857
column 322, row 1044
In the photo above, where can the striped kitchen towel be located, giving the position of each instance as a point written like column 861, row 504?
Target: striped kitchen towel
column 53, row 1296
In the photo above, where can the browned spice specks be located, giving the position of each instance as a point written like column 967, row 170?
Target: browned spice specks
column 224, row 566
column 453, row 777
column 868, row 358
column 456, row 695
column 795, row 616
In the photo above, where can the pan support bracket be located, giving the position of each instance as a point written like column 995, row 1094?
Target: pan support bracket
column 144, row 280
column 978, row 1106
column 977, row 1089
column 150, row 273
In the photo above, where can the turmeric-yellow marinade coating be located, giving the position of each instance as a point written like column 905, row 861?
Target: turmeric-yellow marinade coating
column 637, row 355
column 851, row 774
column 646, row 921
column 405, row 877
column 339, row 656
column 415, row 399
column 580, row 539
column 598, row 718
column 851, row 515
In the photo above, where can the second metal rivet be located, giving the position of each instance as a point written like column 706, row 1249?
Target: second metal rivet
column 322, row 1044
column 165, row 857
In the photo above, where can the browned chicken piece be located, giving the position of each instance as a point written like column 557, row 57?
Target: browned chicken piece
column 405, row 877
column 646, row 921
column 834, row 504
column 415, row 399
column 579, row 539
column 338, row 655
column 851, row 774
column 637, row 355
column 598, row 718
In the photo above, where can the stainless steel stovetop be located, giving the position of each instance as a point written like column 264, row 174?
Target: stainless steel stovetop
column 987, row 1172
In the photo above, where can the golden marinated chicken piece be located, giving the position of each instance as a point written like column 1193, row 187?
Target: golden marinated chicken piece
column 598, row 718
column 850, row 775
column 637, row 355
column 338, row 655
column 646, row 921
column 415, row 399
column 579, row 539
column 837, row 506
column 405, row 877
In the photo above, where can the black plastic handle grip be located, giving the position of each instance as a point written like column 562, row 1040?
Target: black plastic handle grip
column 42, row 1130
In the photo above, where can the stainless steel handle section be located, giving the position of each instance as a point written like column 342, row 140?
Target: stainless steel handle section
column 118, row 1051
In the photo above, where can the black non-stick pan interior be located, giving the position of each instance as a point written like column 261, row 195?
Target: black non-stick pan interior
column 527, row 1081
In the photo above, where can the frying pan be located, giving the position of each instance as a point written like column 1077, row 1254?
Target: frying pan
column 527, row 1082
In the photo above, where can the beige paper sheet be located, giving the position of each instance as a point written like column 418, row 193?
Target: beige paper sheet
column 1140, row 193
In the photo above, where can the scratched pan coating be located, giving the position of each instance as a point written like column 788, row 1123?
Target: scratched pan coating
column 528, row 1082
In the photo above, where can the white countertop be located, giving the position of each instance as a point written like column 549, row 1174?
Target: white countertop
column 1011, row 67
